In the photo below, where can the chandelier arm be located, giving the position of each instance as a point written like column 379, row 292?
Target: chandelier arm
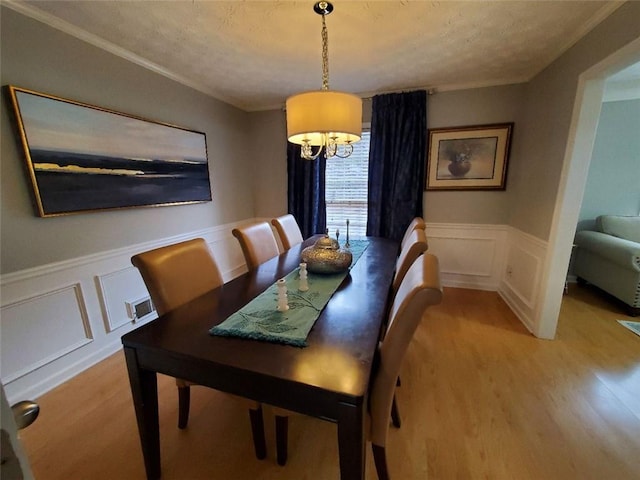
column 332, row 149
column 306, row 152
column 348, row 150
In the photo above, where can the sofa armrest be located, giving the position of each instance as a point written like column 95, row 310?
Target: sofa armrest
column 623, row 252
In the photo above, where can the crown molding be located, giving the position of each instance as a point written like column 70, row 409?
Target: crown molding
column 96, row 41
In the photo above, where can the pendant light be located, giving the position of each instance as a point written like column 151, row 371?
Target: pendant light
column 329, row 120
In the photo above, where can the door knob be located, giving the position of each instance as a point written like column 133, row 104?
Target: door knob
column 25, row 413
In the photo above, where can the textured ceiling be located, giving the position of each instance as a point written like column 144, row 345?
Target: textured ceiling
column 254, row 54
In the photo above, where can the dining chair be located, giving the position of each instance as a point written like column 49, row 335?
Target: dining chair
column 175, row 275
column 419, row 289
column 416, row 223
column 258, row 243
column 415, row 245
column 288, row 230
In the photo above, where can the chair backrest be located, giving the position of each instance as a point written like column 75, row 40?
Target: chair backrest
column 257, row 242
column 419, row 289
column 415, row 246
column 178, row 273
column 416, row 223
column 288, row 230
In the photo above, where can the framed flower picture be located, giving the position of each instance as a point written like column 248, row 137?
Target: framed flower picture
column 469, row 158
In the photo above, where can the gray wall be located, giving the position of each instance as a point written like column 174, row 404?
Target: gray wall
column 456, row 108
column 474, row 107
column 269, row 157
column 546, row 119
column 41, row 58
column 613, row 185
column 542, row 111
column 246, row 151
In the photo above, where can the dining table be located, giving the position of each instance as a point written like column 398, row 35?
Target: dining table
column 328, row 378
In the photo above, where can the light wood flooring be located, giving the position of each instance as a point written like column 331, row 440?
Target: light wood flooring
column 480, row 398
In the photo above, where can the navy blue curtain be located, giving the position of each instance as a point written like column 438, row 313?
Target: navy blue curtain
column 305, row 192
column 397, row 156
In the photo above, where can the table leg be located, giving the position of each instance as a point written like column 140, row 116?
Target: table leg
column 144, row 389
column 351, row 441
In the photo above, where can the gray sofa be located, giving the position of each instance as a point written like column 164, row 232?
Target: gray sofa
column 609, row 258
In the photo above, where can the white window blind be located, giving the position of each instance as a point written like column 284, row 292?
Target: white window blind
column 346, row 191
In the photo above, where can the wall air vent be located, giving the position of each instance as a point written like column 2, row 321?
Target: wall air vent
column 140, row 308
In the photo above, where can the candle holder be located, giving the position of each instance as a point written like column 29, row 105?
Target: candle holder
column 347, row 245
column 283, row 305
column 303, row 284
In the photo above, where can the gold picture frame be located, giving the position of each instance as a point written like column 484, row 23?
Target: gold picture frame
column 469, row 158
column 83, row 158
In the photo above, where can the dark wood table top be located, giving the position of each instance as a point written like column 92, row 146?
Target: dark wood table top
column 335, row 366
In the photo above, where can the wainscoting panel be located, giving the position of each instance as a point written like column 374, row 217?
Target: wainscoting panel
column 520, row 286
column 115, row 289
column 228, row 254
column 470, row 255
column 32, row 336
column 59, row 319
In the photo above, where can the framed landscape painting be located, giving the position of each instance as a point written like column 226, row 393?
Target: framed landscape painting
column 469, row 158
column 84, row 158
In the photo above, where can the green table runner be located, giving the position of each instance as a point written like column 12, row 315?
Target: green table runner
column 260, row 320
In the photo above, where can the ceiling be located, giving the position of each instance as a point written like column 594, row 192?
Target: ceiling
column 254, row 54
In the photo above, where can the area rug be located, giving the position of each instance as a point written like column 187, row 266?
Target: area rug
column 633, row 326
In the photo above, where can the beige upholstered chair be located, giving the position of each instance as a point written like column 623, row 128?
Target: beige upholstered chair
column 414, row 246
column 174, row 275
column 288, row 230
column 257, row 242
column 168, row 273
column 416, row 223
column 419, row 289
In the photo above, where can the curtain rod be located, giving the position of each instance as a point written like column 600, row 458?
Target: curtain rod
column 430, row 91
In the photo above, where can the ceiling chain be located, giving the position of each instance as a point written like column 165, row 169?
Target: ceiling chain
column 325, row 56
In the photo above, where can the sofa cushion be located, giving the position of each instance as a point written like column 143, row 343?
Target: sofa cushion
column 620, row 226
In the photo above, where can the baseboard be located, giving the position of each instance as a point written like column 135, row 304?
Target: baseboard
column 37, row 385
column 523, row 314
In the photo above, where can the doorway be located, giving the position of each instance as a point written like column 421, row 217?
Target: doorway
column 573, row 179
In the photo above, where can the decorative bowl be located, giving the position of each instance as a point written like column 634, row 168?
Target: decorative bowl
column 326, row 256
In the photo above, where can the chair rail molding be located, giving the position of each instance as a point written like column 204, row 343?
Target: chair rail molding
column 82, row 300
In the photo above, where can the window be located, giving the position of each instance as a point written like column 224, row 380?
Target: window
column 346, row 191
